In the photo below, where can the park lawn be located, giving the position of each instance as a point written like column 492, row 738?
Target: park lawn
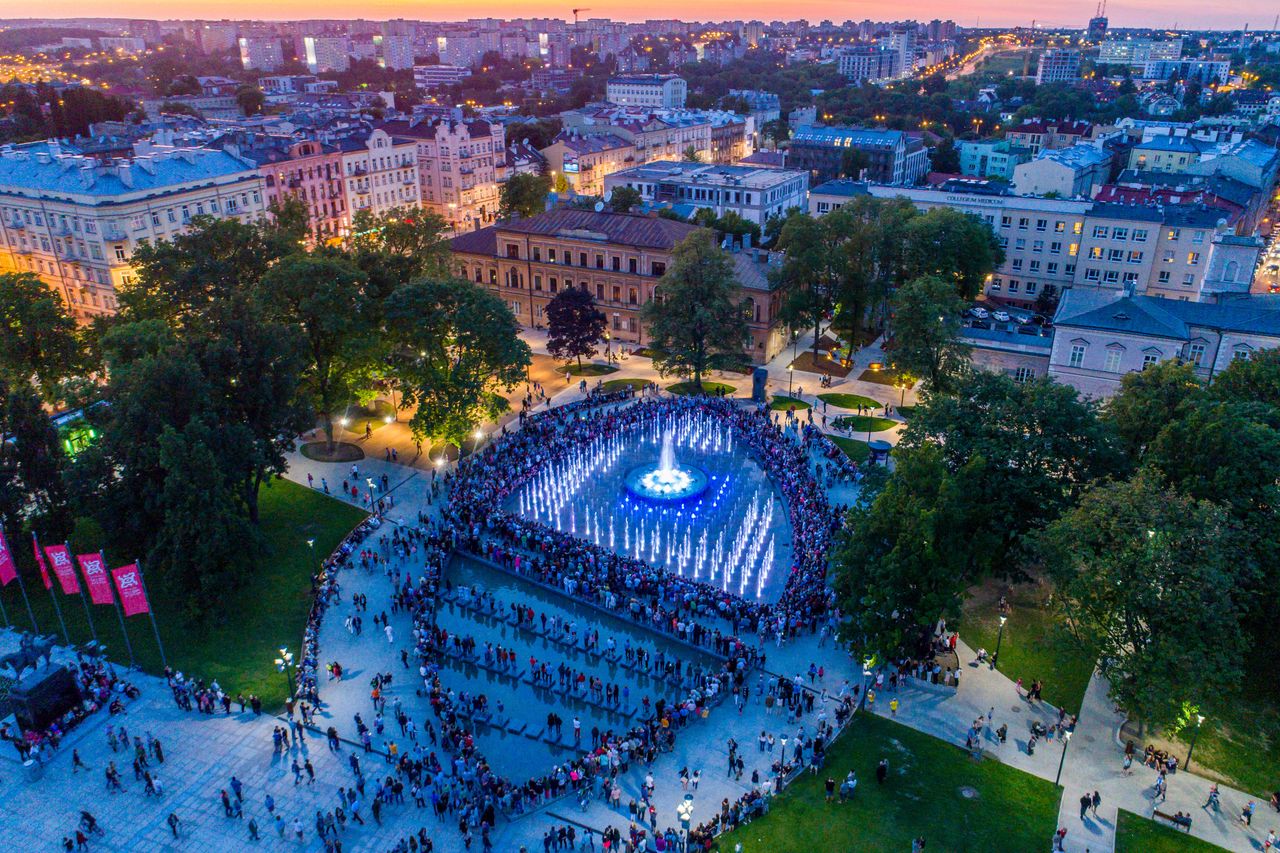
column 782, row 402
column 589, row 369
column 708, row 388
column 887, row 376
column 1137, row 834
column 1012, row 811
column 1035, row 644
column 357, row 416
column 619, row 384
column 856, row 450
column 851, row 401
column 864, row 423
column 269, row 612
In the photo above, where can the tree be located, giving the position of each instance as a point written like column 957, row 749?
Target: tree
column 622, row 199
column 691, row 154
column 32, row 462
column 398, row 246
column 1147, row 400
column 1255, row 379
column 954, row 246
column 1150, row 580
column 695, row 320
column 457, row 345
column 250, row 99
column 574, row 324
column 852, row 163
column 524, row 195
column 1037, row 445
column 810, row 271
column 39, row 341
column 926, row 326
column 325, row 297
column 897, row 568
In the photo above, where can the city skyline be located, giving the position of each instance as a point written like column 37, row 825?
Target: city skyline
column 1001, row 13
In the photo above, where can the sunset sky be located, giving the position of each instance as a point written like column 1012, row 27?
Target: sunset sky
column 1185, row 13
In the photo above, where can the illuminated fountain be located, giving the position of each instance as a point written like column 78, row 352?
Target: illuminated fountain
column 704, row 510
column 666, row 481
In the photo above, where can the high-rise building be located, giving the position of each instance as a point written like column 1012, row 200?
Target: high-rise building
column 1058, row 65
column 394, row 52
column 902, row 40
column 326, row 53
column 261, row 54
column 666, row 91
column 867, row 62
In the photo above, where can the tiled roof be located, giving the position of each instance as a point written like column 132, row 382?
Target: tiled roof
column 623, row 229
column 482, row 241
column 36, row 170
column 842, row 187
column 846, row 136
column 1165, row 318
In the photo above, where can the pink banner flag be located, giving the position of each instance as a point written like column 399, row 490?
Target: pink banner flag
column 44, row 570
column 129, row 584
column 63, row 567
column 95, row 577
column 7, row 570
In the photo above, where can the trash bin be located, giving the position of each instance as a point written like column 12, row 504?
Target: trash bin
column 32, row 769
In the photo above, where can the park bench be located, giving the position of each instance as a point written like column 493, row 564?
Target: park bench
column 1184, row 822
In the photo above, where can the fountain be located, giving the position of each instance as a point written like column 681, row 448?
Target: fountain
column 666, row 481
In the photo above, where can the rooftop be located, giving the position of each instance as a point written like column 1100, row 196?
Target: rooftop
column 1089, row 308
column 848, row 136
column 623, row 229
column 43, row 168
column 673, row 171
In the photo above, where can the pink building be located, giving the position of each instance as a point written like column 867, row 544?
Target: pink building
column 458, row 164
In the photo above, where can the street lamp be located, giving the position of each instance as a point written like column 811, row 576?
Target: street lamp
column 311, row 544
column 791, row 375
column 1194, row 735
column 684, row 810
column 1066, row 739
column 284, row 663
column 999, row 638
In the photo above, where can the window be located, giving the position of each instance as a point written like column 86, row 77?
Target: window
column 1031, row 287
column 1175, row 234
column 1023, row 374
column 1100, row 232
column 1111, row 276
column 1149, row 359
column 1189, row 279
column 1195, row 354
column 1013, row 285
column 1092, row 274
column 1035, row 266
column 1051, row 268
column 513, row 250
column 1023, row 223
column 1111, row 362
column 1005, row 221
column 1193, row 258
column 537, row 253
column 1197, row 237
column 1037, row 246
column 1115, row 255
column 1077, row 355
column 1055, row 248
column 1059, row 227
column 1121, row 234
column 1139, row 235
column 120, row 255
column 1020, row 244
column 1163, row 277
column 1135, row 257
column 1241, row 354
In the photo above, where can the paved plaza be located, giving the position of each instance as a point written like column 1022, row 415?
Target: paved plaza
column 203, row 752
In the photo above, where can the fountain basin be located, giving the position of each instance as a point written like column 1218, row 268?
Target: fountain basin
column 658, row 483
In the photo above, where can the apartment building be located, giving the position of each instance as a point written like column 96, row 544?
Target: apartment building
column 991, row 158
column 393, row 52
column 258, row 53
column 757, row 195
column 307, row 170
column 1035, row 134
column 326, row 53
column 584, row 161
column 619, row 258
column 867, row 62
column 380, row 172
column 1078, row 171
column 660, row 91
column 429, row 77
column 458, row 164
column 75, row 220
column 1058, row 65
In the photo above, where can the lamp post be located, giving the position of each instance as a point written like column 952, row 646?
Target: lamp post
column 684, row 810
column 999, row 638
column 311, row 546
column 791, row 375
column 284, row 663
column 1194, row 735
column 1066, row 739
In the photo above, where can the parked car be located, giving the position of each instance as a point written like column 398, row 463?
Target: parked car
column 979, row 312
column 1001, row 316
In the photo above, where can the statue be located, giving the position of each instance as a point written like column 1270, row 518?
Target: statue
column 30, row 650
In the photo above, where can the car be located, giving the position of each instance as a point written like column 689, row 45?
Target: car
column 979, row 312
column 1022, row 319
column 1001, row 316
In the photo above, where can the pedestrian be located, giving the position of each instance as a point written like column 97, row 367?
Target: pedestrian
column 1096, row 801
column 1085, row 802
column 882, row 770
column 76, row 762
column 174, row 823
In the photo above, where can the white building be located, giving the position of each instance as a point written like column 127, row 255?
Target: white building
column 665, row 91
column 458, row 164
column 1058, row 65
column 75, row 221
column 394, row 52
column 756, row 195
column 429, row 77
column 867, row 62
column 326, row 53
column 381, row 172
column 1075, row 172
column 1135, row 51
column 261, row 54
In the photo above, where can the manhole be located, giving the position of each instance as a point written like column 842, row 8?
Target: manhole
column 969, row 793
column 1088, row 738
column 1017, row 709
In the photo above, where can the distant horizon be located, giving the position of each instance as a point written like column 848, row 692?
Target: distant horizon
column 1141, row 14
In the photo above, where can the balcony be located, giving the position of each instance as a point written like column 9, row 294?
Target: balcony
column 113, row 232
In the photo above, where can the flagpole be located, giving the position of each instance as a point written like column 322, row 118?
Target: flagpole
column 151, row 611
column 57, row 609
column 133, row 664
column 5, row 614
column 83, row 598
column 22, row 587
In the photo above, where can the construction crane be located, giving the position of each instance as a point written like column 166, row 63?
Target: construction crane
column 575, row 15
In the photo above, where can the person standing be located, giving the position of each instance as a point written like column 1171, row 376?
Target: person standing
column 1096, row 801
column 174, row 822
column 1085, row 802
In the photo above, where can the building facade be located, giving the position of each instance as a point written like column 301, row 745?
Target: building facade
column 661, row 91
column 458, row 164
column 619, row 258
column 757, row 195
column 890, row 156
column 380, row 172
column 75, row 221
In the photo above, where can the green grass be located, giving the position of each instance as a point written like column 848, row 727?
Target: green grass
column 619, row 384
column 851, row 401
column 864, row 423
column 375, row 415
column 906, row 412
column 589, row 369
column 889, row 376
column 1137, row 834
column 856, row 450
column 708, row 388
column 1034, row 644
column 269, row 612
column 782, row 402
column 1013, row 812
